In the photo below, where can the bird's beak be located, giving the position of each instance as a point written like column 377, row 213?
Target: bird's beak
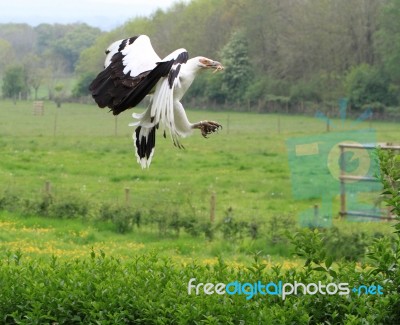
column 215, row 65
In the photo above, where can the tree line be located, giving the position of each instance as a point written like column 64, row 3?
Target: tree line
column 279, row 55
column 32, row 57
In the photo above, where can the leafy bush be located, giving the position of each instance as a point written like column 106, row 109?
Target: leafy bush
column 9, row 201
column 191, row 226
column 82, row 86
column 15, row 82
column 51, row 207
column 69, row 208
column 305, row 91
column 351, row 247
column 278, row 228
column 385, row 253
column 38, row 207
column 365, row 85
column 152, row 290
column 209, row 230
column 232, row 229
column 123, row 217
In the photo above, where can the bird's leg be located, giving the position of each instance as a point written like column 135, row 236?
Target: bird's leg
column 207, row 127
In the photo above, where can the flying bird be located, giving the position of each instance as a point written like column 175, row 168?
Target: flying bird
column 133, row 70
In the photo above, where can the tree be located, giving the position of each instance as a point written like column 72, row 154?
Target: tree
column 59, row 96
column 22, row 37
column 388, row 39
column 301, row 48
column 367, row 85
column 54, row 71
column 48, row 34
column 35, row 72
column 14, row 82
column 91, row 59
column 201, row 27
column 82, row 87
column 6, row 54
column 78, row 38
column 238, row 71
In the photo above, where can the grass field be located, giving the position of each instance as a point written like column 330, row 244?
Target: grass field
column 88, row 155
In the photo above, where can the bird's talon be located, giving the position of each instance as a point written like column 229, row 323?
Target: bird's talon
column 208, row 127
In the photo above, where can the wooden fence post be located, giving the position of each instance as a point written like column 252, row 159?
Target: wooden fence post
column 316, row 213
column 342, row 163
column 47, row 188
column 55, row 122
column 279, row 124
column 328, row 123
column 370, row 121
column 127, row 196
column 212, row 207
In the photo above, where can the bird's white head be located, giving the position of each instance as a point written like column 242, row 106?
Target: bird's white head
column 202, row 62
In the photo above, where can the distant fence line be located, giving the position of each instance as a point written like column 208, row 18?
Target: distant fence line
column 128, row 199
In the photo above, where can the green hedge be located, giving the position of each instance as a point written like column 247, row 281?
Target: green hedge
column 149, row 289
column 153, row 290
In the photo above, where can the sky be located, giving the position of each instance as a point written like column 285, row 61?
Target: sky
column 105, row 14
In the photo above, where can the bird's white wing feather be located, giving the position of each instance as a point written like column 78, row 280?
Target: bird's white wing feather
column 111, row 50
column 138, row 55
column 164, row 111
column 164, row 104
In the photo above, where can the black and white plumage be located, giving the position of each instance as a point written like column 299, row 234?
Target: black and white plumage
column 133, row 70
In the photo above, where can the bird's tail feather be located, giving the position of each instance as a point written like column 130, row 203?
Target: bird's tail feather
column 144, row 139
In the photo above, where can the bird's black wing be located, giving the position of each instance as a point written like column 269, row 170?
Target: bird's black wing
column 132, row 69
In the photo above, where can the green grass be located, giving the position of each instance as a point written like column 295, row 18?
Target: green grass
column 86, row 157
column 42, row 238
column 81, row 152
column 246, row 164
